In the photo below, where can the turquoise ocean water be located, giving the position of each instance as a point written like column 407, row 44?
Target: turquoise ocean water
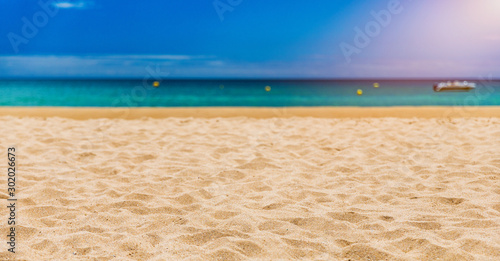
column 193, row 93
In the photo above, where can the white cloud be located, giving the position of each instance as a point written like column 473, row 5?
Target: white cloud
column 157, row 57
column 125, row 57
column 205, row 66
column 73, row 4
column 95, row 65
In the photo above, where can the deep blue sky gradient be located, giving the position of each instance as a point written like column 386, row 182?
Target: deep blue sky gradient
column 257, row 39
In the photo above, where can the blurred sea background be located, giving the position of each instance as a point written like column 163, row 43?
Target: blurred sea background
column 248, row 93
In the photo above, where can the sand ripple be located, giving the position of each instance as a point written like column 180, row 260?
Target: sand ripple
column 238, row 188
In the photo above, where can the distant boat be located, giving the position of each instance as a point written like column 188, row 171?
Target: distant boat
column 464, row 86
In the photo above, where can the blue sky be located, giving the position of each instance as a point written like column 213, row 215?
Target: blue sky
column 250, row 38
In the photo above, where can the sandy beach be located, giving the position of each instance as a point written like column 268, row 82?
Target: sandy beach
column 268, row 184
column 254, row 112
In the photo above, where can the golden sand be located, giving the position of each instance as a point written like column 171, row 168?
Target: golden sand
column 252, row 112
column 263, row 189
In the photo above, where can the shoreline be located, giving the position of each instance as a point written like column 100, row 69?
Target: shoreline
column 84, row 113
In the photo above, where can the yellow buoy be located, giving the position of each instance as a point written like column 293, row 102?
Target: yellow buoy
column 376, row 85
column 360, row 92
column 268, row 88
column 156, row 84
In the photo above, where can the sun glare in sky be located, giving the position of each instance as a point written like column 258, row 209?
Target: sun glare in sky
column 252, row 39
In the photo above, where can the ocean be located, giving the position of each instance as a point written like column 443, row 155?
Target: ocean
column 251, row 93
